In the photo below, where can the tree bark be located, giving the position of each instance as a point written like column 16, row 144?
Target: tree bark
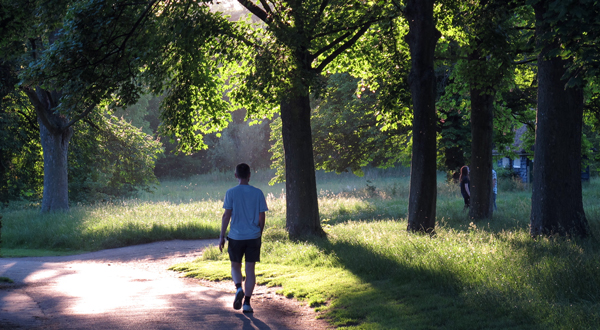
column 55, row 135
column 302, row 208
column 55, row 148
column 482, row 116
column 556, row 202
column 422, row 38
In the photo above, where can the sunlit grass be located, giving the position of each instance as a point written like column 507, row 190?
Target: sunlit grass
column 369, row 273
column 376, row 275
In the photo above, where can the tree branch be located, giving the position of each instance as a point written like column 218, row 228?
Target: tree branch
column 322, row 34
column 348, row 28
column 137, row 23
column 31, row 122
column 526, row 61
column 80, row 116
column 342, row 48
column 254, row 9
column 441, row 58
column 40, row 109
column 331, row 45
column 523, row 28
column 324, row 5
column 399, row 7
column 266, row 6
column 89, row 122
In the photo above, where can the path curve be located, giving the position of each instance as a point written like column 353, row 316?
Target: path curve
column 131, row 288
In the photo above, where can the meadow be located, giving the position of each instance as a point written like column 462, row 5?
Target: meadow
column 368, row 273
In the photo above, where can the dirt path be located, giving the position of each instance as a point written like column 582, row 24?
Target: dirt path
column 131, row 288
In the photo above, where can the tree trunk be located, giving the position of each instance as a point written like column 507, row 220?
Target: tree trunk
column 56, row 184
column 422, row 38
column 302, row 208
column 482, row 104
column 55, row 137
column 556, row 202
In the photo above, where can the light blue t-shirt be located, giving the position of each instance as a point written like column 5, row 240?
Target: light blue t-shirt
column 246, row 202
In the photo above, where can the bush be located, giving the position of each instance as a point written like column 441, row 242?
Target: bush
column 508, row 180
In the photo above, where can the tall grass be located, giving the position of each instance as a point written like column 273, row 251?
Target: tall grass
column 368, row 273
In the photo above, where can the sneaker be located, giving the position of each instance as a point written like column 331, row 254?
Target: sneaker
column 237, row 302
column 248, row 309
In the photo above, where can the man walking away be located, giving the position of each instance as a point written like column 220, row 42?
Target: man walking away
column 245, row 208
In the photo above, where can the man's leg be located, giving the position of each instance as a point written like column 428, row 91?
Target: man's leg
column 249, row 286
column 495, row 207
column 236, row 272
column 250, row 279
column 236, row 275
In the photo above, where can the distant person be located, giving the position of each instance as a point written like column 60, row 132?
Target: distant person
column 495, row 185
column 245, row 206
column 464, row 186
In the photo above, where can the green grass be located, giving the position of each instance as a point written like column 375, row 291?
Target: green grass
column 5, row 280
column 369, row 273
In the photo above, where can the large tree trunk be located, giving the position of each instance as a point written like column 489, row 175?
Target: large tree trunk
column 56, row 180
column 482, row 104
column 55, row 135
column 556, row 202
column 302, row 213
column 422, row 38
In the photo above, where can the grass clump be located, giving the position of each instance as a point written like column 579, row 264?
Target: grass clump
column 4, row 279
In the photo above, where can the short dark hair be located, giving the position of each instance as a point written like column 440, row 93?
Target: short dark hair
column 243, row 171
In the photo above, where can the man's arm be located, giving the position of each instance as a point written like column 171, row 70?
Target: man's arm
column 224, row 223
column 261, row 221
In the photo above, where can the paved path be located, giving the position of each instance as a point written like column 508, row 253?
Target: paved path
column 131, row 288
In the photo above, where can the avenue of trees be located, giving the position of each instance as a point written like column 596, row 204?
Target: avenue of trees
column 341, row 84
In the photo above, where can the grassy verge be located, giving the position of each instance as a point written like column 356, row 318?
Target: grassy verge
column 376, row 276
column 368, row 273
column 92, row 228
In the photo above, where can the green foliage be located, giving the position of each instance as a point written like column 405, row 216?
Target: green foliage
column 277, row 152
column 299, row 44
column 110, row 158
column 20, row 149
column 115, row 50
column 591, row 139
column 348, row 131
column 481, row 43
column 574, row 25
column 508, row 180
column 454, row 146
column 21, row 166
column 382, row 59
column 54, row 49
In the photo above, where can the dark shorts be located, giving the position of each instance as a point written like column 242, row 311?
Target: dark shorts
column 248, row 247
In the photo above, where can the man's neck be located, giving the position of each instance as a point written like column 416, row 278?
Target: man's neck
column 244, row 181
